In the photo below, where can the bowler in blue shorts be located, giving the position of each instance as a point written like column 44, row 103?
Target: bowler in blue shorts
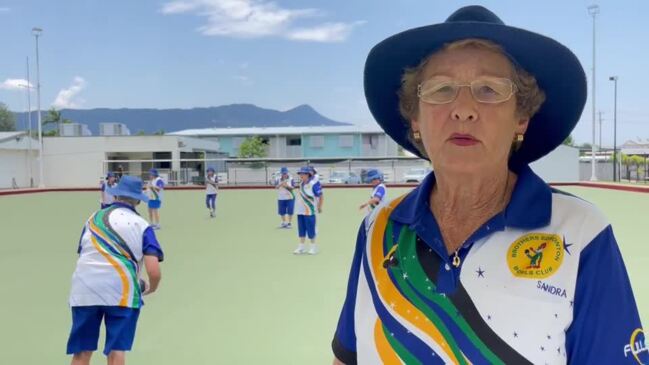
column 285, row 197
column 115, row 244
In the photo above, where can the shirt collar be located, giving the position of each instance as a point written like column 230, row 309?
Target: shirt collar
column 124, row 205
column 530, row 205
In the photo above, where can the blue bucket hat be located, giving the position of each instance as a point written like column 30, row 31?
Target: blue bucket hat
column 154, row 172
column 210, row 169
column 307, row 170
column 110, row 174
column 374, row 174
column 129, row 186
column 283, row 170
column 556, row 69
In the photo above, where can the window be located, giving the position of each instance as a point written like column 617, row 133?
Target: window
column 371, row 141
column 374, row 141
column 162, row 156
column 317, row 141
column 236, row 142
column 294, row 141
column 346, row 141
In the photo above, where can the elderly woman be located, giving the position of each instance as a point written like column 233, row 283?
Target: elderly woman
column 483, row 263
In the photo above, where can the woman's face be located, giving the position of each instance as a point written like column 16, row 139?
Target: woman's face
column 466, row 135
column 304, row 177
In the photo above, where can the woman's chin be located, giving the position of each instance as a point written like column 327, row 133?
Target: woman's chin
column 460, row 164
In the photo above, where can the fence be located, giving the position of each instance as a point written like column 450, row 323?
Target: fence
column 604, row 171
column 187, row 172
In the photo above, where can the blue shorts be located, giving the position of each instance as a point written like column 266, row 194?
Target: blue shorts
column 120, row 328
column 306, row 226
column 210, row 201
column 155, row 204
column 285, row 207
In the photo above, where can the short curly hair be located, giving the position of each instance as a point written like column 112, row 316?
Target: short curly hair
column 529, row 96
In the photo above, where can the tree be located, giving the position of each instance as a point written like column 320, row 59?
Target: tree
column 160, row 132
column 252, row 147
column 7, row 119
column 569, row 141
column 54, row 117
column 633, row 163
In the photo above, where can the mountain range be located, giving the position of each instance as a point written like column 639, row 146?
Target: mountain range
column 154, row 120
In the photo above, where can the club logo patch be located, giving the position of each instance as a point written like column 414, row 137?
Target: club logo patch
column 637, row 346
column 535, row 255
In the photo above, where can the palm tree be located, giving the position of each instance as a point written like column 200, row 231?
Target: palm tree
column 54, row 117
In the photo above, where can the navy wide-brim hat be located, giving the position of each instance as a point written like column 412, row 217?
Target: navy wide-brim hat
column 129, row 186
column 305, row 170
column 374, row 174
column 556, row 69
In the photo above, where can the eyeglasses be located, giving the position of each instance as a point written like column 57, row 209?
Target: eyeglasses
column 490, row 90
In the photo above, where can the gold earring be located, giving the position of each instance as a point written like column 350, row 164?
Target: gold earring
column 518, row 141
column 416, row 136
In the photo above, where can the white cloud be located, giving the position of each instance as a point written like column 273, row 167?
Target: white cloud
column 243, row 79
column 68, row 98
column 328, row 32
column 15, row 84
column 257, row 18
column 4, row 10
column 176, row 7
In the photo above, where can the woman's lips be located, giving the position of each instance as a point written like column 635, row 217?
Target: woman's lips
column 463, row 139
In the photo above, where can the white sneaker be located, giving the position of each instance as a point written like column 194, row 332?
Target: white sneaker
column 300, row 249
column 313, row 250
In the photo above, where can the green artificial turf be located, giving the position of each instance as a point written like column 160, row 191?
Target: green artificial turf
column 232, row 291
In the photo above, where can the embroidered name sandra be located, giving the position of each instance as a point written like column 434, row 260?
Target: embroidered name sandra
column 550, row 289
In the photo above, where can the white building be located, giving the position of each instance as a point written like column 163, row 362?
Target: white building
column 18, row 160
column 82, row 161
column 113, row 129
column 74, row 130
column 351, row 141
column 560, row 165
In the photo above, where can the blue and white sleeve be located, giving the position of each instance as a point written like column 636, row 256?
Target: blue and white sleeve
column 606, row 325
column 150, row 245
column 317, row 189
column 344, row 341
column 380, row 192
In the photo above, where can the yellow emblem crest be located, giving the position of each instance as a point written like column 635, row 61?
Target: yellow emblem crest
column 535, row 255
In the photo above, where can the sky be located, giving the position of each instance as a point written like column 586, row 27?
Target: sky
column 284, row 53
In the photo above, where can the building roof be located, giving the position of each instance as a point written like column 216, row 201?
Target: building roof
column 638, row 147
column 17, row 140
column 11, row 135
column 259, row 131
column 130, row 143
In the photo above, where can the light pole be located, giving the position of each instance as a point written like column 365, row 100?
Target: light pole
column 599, row 145
column 614, row 79
column 36, row 32
column 593, row 10
column 28, row 87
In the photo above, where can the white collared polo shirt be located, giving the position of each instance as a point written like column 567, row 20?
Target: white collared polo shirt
column 543, row 282
column 111, row 251
column 307, row 197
